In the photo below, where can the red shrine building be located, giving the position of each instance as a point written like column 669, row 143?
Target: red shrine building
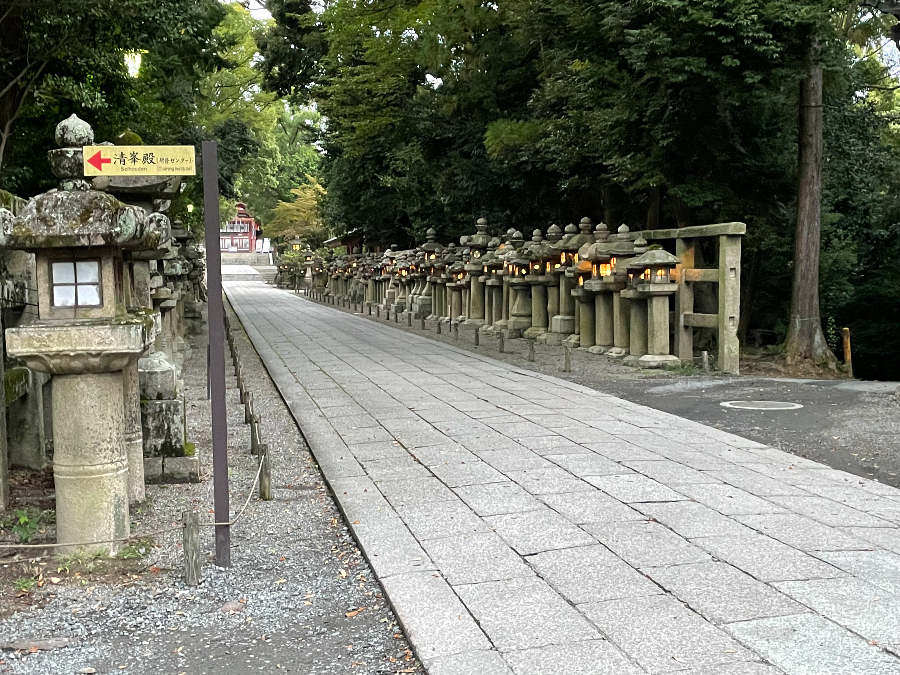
column 241, row 233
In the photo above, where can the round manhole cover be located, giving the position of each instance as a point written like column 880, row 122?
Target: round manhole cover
column 761, row 405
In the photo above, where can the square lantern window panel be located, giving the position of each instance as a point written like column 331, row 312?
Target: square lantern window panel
column 76, row 284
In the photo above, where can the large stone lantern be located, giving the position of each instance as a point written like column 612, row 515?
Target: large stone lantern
column 308, row 262
column 83, row 336
column 649, row 279
column 518, row 270
column 478, row 246
column 493, row 287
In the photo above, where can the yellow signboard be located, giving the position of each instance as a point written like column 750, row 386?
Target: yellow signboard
column 139, row 160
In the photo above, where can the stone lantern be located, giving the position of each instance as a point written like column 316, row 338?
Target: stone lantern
column 506, row 253
column 478, row 246
column 308, row 262
column 445, row 284
column 649, row 279
column 402, row 281
column 455, row 275
column 492, row 284
column 563, row 323
column 83, row 336
column 539, row 281
column 519, row 269
column 422, row 302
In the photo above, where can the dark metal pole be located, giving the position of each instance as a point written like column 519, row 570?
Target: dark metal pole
column 216, row 352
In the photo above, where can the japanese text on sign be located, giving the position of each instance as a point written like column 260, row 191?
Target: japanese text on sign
column 139, row 160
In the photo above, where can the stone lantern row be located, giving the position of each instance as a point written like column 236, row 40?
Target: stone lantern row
column 583, row 286
column 119, row 289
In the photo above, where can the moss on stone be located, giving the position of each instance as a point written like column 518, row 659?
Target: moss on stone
column 15, row 383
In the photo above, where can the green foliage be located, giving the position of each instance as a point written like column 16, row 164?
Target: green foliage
column 63, row 56
column 29, row 522
column 301, row 216
column 25, row 584
column 135, row 550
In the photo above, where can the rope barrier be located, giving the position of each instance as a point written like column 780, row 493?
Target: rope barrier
column 141, row 535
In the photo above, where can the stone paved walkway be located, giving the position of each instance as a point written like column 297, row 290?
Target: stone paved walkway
column 523, row 524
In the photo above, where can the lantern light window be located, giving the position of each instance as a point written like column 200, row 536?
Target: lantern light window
column 76, row 284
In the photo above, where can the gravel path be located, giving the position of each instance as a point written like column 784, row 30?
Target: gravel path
column 312, row 604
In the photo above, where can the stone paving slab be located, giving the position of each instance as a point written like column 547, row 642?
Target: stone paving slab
column 522, row 613
column 520, row 523
column 663, row 636
column 722, row 593
column 808, row 644
column 594, row 657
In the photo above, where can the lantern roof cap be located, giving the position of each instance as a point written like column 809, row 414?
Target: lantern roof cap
column 554, row 234
column 598, row 252
column 585, row 225
column 658, row 257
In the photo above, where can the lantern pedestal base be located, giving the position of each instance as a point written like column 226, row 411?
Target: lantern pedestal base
column 598, row 349
column 659, row 361
column 551, row 339
column 562, row 324
column 617, row 352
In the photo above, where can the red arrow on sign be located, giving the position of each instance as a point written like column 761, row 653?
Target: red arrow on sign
column 97, row 161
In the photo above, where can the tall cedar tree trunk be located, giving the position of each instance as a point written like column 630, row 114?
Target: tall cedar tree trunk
column 805, row 340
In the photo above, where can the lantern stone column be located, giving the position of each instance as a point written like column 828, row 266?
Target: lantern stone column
column 588, row 316
column 603, row 308
column 520, row 306
column 476, row 297
column 602, row 336
column 637, row 344
column 540, row 320
column 658, row 332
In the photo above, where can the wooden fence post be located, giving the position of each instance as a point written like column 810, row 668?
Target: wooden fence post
column 265, row 474
column 191, row 546
column 254, row 435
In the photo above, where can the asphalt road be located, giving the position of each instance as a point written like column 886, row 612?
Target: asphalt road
column 849, row 425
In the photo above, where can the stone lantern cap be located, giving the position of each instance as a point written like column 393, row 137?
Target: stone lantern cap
column 481, row 239
column 570, row 241
column 450, row 257
column 656, row 258
column 82, row 219
column 431, row 245
column 598, row 252
column 554, row 234
column 75, row 216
